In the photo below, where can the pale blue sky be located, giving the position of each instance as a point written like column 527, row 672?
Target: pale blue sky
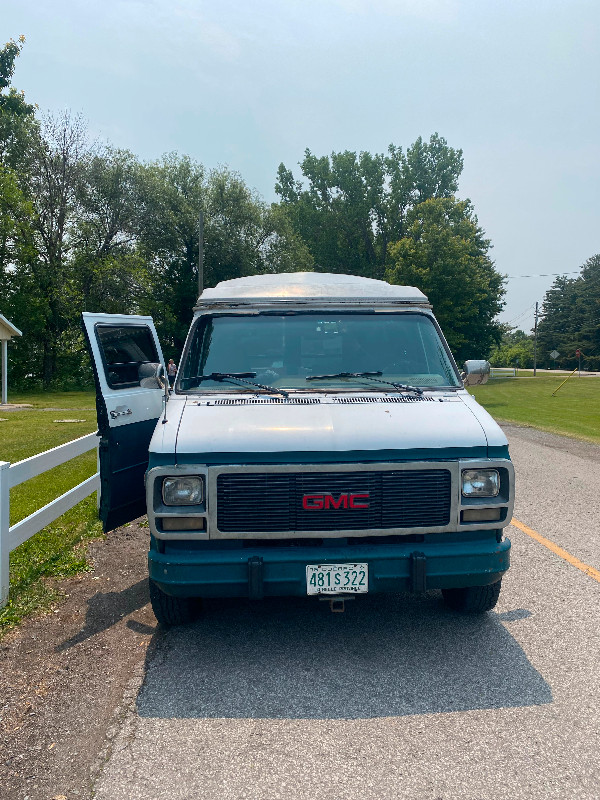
column 516, row 85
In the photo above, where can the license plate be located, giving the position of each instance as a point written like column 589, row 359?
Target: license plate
column 337, row 578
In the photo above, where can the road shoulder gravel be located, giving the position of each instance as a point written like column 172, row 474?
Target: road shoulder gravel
column 67, row 678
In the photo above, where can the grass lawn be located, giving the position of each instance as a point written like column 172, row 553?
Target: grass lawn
column 573, row 411
column 58, row 550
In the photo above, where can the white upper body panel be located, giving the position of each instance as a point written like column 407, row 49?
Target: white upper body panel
column 164, row 439
column 495, row 434
column 306, row 286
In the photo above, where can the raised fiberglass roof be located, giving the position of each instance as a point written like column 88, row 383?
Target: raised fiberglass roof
column 308, row 285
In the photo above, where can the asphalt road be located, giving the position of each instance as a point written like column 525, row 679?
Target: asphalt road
column 398, row 697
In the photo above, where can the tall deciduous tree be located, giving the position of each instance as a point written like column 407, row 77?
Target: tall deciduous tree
column 107, row 268
column 445, row 254
column 17, row 122
column 55, row 175
column 15, row 127
column 354, row 205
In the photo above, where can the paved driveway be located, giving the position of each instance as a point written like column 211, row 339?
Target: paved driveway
column 398, row 697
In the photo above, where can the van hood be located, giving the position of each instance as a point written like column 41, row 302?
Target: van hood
column 325, row 427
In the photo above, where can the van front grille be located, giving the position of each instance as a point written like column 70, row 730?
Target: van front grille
column 281, row 502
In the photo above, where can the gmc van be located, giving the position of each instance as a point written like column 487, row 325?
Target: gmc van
column 318, row 440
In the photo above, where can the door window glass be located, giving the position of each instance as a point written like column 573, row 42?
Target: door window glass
column 125, row 349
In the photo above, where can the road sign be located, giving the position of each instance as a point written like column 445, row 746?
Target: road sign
column 554, row 354
column 578, row 352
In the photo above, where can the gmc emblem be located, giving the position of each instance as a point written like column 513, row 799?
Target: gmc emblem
column 317, row 502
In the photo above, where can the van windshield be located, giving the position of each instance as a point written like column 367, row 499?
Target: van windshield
column 283, row 350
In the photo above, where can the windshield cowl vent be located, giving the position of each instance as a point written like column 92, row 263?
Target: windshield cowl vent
column 402, row 399
column 253, row 401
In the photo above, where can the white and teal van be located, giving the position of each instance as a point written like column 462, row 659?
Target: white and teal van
column 318, row 441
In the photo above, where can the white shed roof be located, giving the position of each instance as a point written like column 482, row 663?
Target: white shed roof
column 7, row 329
column 310, row 285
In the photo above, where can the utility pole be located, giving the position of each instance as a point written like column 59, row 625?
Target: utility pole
column 200, row 253
column 535, row 341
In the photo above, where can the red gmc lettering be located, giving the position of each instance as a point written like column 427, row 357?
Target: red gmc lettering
column 313, row 502
column 341, row 502
column 317, row 502
column 355, row 497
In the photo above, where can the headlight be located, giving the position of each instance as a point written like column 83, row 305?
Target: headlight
column 480, row 482
column 188, row 490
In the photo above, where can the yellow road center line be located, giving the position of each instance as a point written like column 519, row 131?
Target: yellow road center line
column 575, row 562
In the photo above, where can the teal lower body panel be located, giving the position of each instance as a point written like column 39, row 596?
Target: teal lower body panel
column 281, row 571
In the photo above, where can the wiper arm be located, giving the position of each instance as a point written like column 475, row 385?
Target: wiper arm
column 241, row 377
column 369, row 376
column 343, row 375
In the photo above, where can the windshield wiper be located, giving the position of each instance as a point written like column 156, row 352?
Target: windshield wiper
column 238, row 376
column 369, row 376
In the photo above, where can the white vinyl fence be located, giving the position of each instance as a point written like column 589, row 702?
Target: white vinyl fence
column 14, row 474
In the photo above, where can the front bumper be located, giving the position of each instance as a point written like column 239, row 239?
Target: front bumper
column 281, row 571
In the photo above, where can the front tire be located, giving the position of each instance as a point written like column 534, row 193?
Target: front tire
column 473, row 599
column 170, row 610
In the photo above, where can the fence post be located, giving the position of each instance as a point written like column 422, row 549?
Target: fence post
column 4, row 526
column 98, row 471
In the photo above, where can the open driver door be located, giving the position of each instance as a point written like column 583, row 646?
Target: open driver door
column 130, row 377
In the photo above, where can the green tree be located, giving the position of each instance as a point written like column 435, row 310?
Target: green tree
column 11, row 101
column 15, row 219
column 80, row 254
column 41, row 278
column 242, row 236
column 354, row 205
column 17, row 122
column 571, row 319
column 445, row 254
column 107, row 270
column 515, row 349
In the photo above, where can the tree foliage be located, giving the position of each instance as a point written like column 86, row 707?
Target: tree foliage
column 242, row 236
column 11, row 101
column 17, row 121
column 354, row 205
column 571, row 319
column 395, row 217
column 514, row 350
column 15, row 116
column 444, row 253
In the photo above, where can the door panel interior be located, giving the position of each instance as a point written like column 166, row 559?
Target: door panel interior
column 125, row 351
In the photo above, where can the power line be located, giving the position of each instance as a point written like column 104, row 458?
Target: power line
column 544, row 275
column 519, row 316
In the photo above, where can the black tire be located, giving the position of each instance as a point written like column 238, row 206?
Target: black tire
column 170, row 610
column 473, row 599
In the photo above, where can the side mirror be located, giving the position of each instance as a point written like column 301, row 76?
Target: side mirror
column 476, row 373
column 152, row 376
